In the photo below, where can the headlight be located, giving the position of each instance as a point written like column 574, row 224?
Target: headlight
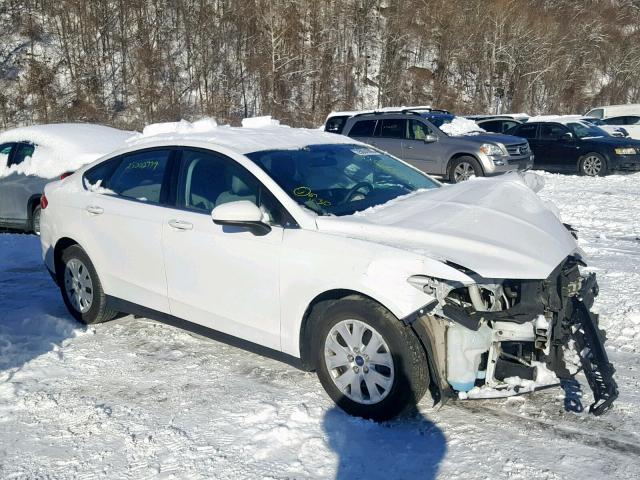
column 625, row 151
column 493, row 150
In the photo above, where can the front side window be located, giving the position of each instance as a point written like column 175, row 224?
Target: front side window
column 140, row 176
column 23, row 151
column 417, row 130
column 363, row 128
column 207, row 180
column 552, row 131
column 393, row 128
column 340, row 179
column 526, row 131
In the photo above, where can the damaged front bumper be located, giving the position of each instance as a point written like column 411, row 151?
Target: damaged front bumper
column 509, row 336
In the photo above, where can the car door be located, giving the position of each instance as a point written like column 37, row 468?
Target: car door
column 559, row 146
column 390, row 135
column 18, row 188
column 225, row 278
column 5, row 196
column 416, row 150
column 363, row 131
column 123, row 218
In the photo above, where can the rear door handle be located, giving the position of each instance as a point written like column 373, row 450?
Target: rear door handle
column 180, row 225
column 95, row 210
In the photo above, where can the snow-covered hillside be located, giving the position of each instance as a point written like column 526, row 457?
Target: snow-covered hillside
column 137, row 399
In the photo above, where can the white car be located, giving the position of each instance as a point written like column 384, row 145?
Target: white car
column 334, row 255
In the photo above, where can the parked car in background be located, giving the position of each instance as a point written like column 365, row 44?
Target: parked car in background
column 569, row 145
column 627, row 123
column 253, row 232
column 498, row 124
column 32, row 156
column 609, row 111
column 436, row 142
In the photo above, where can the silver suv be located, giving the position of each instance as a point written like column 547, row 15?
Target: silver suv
column 413, row 135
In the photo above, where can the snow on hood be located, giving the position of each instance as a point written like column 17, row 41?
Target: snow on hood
column 497, row 227
column 62, row 147
column 259, row 133
column 461, row 126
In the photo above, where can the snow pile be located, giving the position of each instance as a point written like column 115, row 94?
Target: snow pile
column 461, row 126
column 62, row 147
column 260, row 122
column 260, row 133
column 182, row 127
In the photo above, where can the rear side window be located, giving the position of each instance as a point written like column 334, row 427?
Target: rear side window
column 492, row 126
column 138, row 175
column 23, row 151
column 335, row 124
column 393, row 128
column 363, row 128
column 526, row 131
column 597, row 113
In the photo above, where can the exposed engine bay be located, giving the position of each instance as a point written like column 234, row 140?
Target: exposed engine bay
column 513, row 335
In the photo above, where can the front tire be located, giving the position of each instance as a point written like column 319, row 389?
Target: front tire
column 368, row 361
column 464, row 168
column 81, row 288
column 593, row 165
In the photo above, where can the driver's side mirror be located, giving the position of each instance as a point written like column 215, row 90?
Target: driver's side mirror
column 242, row 213
column 430, row 138
column 567, row 137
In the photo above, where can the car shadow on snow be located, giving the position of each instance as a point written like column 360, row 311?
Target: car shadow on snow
column 410, row 446
column 33, row 318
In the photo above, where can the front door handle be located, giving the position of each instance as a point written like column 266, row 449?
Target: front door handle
column 409, row 147
column 180, row 225
column 95, row 210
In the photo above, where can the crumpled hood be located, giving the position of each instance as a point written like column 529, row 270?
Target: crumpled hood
column 497, row 227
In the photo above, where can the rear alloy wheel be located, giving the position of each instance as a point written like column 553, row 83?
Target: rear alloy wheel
column 368, row 361
column 593, row 165
column 464, row 168
column 35, row 220
column 81, row 288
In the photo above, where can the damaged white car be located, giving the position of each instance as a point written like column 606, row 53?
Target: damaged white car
column 333, row 255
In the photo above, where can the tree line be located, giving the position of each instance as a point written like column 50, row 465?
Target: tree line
column 131, row 62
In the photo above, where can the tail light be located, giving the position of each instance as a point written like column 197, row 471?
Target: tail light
column 43, row 201
column 65, row 175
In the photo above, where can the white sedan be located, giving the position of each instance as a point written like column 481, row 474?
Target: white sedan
column 331, row 255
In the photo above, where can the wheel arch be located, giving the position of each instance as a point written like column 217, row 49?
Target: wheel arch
column 61, row 245
column 305, row 326
column 600, row 153
column 458, row 155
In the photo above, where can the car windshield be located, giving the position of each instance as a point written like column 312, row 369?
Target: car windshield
column 584, row 130
column 340, row 179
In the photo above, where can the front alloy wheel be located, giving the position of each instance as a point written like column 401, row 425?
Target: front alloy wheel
column 593, row 165
column 359, row 361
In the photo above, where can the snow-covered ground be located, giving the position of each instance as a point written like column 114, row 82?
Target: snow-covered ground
column 138, row 399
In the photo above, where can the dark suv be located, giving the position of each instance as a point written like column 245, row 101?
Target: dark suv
column 412, row 134
column 577, row 146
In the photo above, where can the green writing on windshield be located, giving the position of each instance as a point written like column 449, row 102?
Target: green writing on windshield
column 311, row 196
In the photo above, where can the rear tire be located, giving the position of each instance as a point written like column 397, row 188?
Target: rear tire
column 463, row 168
column 365, row 381
column 81, row 288
column 593, row 165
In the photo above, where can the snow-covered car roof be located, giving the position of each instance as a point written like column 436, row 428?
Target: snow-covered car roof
column 564, row 119
column 62, row 147
column 255, row 135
